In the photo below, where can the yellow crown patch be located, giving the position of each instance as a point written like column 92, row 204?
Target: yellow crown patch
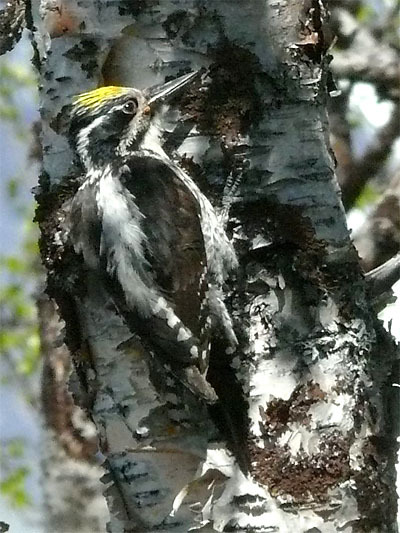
column 95, row 98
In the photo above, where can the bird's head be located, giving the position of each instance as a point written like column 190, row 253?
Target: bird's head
column 110, row 122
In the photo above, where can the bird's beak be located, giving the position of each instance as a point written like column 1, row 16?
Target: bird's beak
column 161, row 93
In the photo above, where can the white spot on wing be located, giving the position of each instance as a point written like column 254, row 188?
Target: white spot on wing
column 194, row 351
column 183, row 335
column 172, row 319
column 161, row 304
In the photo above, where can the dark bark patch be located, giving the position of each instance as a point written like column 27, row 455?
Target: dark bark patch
column 230, row 412
column 375, row 498
column 280, row 412
column 276, row 416
column 65, row 280
column 127, row 8
column 35, row 146
column 315, row 36
column 282, row 224
column 64, row 268
column 230, row 104
column 85, row 53
column 309, row 477
column 287, row 229
column 174, row 22
column 50, row 214
column 247, row 504
column 62, row 121
column 291, row 233
column 192, row 28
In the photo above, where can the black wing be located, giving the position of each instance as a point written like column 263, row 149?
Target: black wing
column 175, row 248
column 175, row 252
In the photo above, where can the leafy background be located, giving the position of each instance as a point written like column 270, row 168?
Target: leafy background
column 20, row 280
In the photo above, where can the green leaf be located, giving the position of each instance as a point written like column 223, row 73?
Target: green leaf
column 9, row 339
column 13, row 264
column 29, row 362
column 14, row 487
column 9, row 293
column 15, row 448
column 365, row 13
column 368, row 196
column 13, row 187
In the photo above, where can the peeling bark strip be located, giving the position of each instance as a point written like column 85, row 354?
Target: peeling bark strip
column 303, row 401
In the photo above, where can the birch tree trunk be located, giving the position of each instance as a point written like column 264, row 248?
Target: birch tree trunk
column 305, row 402
column 71, row 477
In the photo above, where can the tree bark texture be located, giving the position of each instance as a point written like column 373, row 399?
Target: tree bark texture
column 305, row 400
column 73, row 494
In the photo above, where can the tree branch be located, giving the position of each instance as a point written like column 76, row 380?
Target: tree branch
column 382, row 278
column 358, row 173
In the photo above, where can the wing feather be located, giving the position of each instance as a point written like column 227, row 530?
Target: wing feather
column 175, row 247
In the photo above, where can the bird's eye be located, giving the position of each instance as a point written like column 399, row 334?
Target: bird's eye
column 130, row 107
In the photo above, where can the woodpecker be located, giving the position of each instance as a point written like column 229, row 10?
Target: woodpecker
column 144, row 227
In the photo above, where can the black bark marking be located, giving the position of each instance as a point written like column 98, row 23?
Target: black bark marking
column 231, row 104
column 85, row 53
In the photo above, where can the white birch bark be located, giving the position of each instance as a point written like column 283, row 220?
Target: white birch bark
column 313, row 360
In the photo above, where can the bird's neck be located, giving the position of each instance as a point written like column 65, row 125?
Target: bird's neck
column 97, row 156
column 151, row 141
